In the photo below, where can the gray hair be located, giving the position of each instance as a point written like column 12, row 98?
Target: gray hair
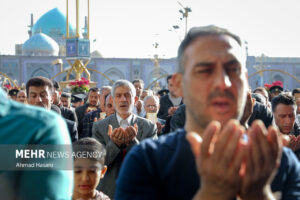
column 156, row 99
column 106, row 87
column 196, row 32
column 120, row 83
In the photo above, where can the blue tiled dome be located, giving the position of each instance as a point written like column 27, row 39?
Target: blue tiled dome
column 53, row 24
column 40, row 44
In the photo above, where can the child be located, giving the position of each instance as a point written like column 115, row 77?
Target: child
column 89, row 168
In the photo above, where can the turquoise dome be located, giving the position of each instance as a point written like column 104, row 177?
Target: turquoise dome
column 53, row 24
column 40, row 45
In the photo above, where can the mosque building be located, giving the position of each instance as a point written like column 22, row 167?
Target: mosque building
column 46, row 45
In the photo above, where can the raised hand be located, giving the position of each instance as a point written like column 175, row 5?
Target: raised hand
column 117, row 135
column 138, row 105
column 219, row 159
column 263, row 157
column 172, row 110
column 159, row 127
column 294, row 142
column 130, row 133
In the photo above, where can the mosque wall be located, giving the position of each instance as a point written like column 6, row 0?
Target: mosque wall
column 22, row 68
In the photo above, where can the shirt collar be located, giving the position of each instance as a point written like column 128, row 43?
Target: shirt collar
column 128, row 119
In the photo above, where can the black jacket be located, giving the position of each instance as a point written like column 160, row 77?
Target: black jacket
column 165, row 104
column 263, row 113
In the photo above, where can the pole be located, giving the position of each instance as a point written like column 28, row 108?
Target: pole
column 67, row 24
column 186, row 16
column 77, row 18
column 88, row 24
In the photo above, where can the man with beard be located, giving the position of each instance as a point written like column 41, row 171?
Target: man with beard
column 211, row 158
column 120, row 131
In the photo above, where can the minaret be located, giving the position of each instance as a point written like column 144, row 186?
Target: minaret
column 30, row 26
column 85, row 28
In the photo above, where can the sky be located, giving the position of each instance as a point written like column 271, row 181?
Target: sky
column 128, row 29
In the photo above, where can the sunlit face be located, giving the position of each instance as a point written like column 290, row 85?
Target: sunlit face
column 87, row 175
column 65, row 101
column 109, row 106
column 123, row 100
column 285, row 117
column 214, row 82
column 102, row 98
column 56, row 97
column 40, row 96
column 93, row 98
column 151, row 106
column 139, row 88
column 22, row 97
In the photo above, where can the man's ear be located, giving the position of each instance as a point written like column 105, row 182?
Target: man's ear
column 103, row 171
column 177, row 84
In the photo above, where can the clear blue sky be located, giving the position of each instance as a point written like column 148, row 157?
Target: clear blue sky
column 129, row 28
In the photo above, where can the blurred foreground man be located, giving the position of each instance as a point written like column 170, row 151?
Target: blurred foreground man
column 20, row 124
column 208, row 159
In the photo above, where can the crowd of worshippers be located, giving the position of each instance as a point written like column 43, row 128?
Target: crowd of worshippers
column 165, row 109
column 114, row 119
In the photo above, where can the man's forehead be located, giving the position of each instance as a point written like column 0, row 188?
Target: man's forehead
column 122, row 90
column 150, row 99
column 283, row 108
column 216, row 46
column 40, row 89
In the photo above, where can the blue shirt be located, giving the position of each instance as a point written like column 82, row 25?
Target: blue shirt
column 165, row 169
column 23, row 124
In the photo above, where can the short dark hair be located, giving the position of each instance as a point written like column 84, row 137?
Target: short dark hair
column 91, row 146
column 66, row 95
column 94, row 89
column 56, row 85
column 196, row 32
column 283, row 98
column 38, row 82
column 296, row 91
column 138, row 81
column 258, row 97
